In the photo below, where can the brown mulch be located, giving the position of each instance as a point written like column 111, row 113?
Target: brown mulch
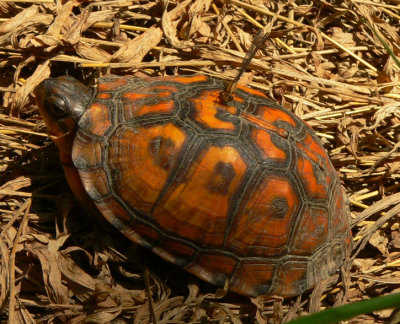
column 329, row 62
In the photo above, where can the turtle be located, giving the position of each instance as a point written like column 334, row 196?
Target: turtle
column 240, row 193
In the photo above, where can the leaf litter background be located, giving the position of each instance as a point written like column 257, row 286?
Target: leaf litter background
column 328, row 61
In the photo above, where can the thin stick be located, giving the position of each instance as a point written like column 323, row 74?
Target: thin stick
column 149, row 64
column 148, row 293
column 299, row 24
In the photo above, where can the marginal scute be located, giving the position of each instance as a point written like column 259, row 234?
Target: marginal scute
column 213, row 268
column 87, row 152
column 180, row 253
column 254, row 277
column 97, row 119
column 339, row 209
column 291, row 278
column 212, row 186
column 313, row 148
column 96, row 183
column 111, row 209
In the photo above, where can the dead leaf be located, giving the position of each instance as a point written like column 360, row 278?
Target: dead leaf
column 134, row 50
column 16, row 184
column 169, row 23
column 380, row 241
column 21, row 96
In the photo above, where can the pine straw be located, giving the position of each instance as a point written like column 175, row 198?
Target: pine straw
column 326, row 62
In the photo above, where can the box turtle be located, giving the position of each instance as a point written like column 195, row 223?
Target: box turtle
column 239, row 192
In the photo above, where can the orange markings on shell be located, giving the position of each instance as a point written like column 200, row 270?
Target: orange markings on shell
column 183, row 79
column 251, row 91
column 291, row 279
column 260, row 123
column 98, row 120
column 205, row 184
column 252, row 275
column 196, row 207
column 143, row 230
column 163, row 103
column 111, row 84
column 213, row 268
column 312, row 178
column 155, row 150
column 111, row 209
column 312, row 231
column 95, row 183
column 238, row 99
column 162, row 107
column 271, row 115
column 206, row 106
column 178, row 251
column 315, row 152
column 262, row 226
column 149, row 92
column 269, row 150
column 103, row 96
column 86, row 153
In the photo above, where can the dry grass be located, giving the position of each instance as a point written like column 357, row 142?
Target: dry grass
column 328, row 61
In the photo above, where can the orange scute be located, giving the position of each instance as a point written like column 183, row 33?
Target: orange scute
column 262, row 226
column 95, row 183
column 206, row 107
column 313, row 178
column 291, row 279
column 97, row 119
column 213, row 268
column 311, row 232
column 268, row 149
column 187, row 79
column 255, row 277
column 111, row 84
column 140, row 180
column 197, row 206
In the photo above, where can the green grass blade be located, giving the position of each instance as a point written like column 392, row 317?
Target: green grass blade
column 345, row 312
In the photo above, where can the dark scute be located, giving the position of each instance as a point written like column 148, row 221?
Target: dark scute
column 279, row 208
column 221, row 178
column 163, row 152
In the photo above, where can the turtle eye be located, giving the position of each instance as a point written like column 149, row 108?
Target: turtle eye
column 56, row 107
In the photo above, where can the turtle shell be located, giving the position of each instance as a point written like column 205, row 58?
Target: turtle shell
column 240, row 192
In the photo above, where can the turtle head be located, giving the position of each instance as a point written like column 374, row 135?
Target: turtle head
column 61, row 102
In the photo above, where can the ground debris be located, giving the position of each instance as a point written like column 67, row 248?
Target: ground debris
column 330, row 65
